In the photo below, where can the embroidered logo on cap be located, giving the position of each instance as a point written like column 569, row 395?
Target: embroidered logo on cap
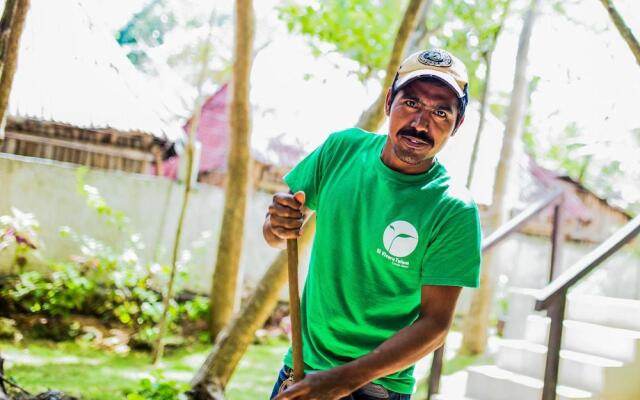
column 436, row 58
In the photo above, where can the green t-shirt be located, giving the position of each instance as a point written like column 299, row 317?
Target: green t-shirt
column 380, row 236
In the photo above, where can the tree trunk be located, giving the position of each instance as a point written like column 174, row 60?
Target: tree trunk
column 622, row 27
column 477, row 320
column 189, row 153
column 421, row 33
column 225, row 276
column 372, row 118
column 214, row 374
column 484, row 100
column 11, row 26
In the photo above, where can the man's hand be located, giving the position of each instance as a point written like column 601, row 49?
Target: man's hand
column 326, row 385
column 284, row 218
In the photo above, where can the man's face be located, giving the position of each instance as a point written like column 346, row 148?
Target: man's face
column 422, row 117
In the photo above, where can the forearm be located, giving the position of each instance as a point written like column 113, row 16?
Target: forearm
column 398, row 352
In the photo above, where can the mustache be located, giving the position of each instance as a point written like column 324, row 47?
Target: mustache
column 413, row 132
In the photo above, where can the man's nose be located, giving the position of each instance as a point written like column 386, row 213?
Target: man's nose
column 420, row 121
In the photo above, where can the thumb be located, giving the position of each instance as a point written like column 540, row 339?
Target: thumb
column 300, row 197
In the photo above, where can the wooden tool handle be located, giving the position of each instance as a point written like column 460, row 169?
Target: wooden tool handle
column 294, row 310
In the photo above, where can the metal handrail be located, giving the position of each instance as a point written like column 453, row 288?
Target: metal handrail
column 553, row 298
column 555, row 199
column 521, row 218
column 587, row 263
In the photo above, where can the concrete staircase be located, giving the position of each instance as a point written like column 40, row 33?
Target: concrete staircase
column 600, row 357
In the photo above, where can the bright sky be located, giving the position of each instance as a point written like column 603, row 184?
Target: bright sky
column 588, row 76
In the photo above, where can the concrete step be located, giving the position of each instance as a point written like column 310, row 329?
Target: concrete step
column 583, row 337
column 489, row 382
column 608, row 311
column 582, row 371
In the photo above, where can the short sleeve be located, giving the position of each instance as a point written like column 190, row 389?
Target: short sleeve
column 454, row 255
column 307, row 175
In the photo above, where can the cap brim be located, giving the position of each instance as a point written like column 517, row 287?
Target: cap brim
column 446, row 78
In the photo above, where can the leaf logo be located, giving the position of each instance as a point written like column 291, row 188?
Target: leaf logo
column 400, row 238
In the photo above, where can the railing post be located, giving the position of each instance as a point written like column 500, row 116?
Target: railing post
column 557, row 238
column 556, row 313
column 436, row 372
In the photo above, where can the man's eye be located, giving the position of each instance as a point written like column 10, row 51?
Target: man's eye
column 411, row 103
column 440, row 113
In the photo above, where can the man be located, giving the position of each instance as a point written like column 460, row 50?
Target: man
column 396, row 240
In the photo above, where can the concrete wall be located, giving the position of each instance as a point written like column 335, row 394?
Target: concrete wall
column 48, row 190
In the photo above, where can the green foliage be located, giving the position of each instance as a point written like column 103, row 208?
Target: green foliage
column 159, row 388
column 469, row 30
column 568, row 152
column 107, row 281
column 173, row 33
column 362, row 30
column 147, row 28
column 196, row 309
column 63, row 292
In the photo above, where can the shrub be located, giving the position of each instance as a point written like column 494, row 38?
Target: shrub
column 108, row 281
column 159, row 388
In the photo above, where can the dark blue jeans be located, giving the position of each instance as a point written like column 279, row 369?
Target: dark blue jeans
column 368, row 392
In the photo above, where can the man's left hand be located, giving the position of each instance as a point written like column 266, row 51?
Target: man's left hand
column 324, row 385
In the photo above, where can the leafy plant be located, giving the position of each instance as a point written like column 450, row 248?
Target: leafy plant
column 362, row 30
column 59, row 294
column 159, row 388
column 104, row 280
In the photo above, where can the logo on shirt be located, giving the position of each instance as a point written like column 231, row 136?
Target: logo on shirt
column 400, row 238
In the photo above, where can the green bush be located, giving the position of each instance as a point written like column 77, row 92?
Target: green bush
column 107, row 281
column 159, row 389
column 64, row 291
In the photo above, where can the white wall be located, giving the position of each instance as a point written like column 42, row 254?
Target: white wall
column 48, row 190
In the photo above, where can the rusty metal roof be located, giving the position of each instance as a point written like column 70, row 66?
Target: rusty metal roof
column 72, row 71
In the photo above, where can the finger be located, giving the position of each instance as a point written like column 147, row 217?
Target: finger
column 282, row 211
column 287, row 223
column 284, row 233
column 293, row 392
column 287, row 200
column 300, row 197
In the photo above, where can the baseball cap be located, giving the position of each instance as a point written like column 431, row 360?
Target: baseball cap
column 438, row 64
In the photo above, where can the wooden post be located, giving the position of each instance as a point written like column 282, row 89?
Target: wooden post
column 557, row 238
column 294, row 307
column 159, row 166
column 436, row 372
column 556, row 313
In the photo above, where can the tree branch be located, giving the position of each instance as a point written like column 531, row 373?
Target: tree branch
column 623, row 29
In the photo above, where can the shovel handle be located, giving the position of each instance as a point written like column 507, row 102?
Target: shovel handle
column 294, row 310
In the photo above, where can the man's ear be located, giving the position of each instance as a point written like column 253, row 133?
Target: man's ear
column 387, row 103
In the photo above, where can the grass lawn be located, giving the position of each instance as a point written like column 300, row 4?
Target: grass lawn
column 101, row 375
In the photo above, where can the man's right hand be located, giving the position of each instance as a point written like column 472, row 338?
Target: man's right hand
column 284, row 219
